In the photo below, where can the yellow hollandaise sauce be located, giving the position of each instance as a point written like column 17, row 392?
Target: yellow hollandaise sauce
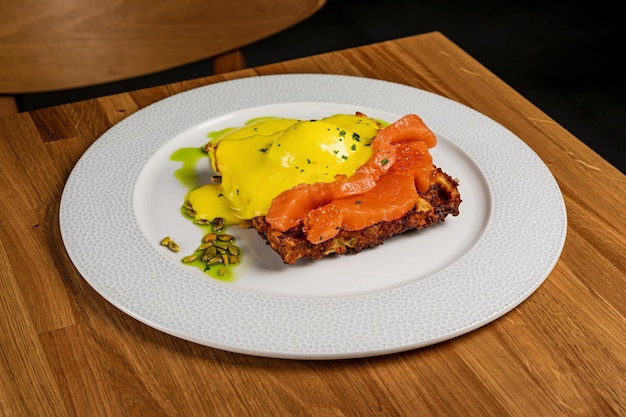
column 268, row 155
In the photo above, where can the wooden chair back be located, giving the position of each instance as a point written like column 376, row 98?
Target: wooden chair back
column 64, row 44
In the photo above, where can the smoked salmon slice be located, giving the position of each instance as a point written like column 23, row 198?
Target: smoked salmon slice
column 410, row 127
column 406, row 140
column 392, row 197
column 413, row 158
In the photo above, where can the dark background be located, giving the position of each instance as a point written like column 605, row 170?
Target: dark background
column 561, row 56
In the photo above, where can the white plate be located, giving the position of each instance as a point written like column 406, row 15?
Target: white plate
column 415, row 290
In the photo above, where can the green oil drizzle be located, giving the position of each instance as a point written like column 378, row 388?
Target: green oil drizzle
column 189, row 158
column 186, row 174
column 212, row 270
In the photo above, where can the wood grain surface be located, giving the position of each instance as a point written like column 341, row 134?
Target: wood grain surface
column 66, row 351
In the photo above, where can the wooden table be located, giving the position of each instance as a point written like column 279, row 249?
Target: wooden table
column 66, row 351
